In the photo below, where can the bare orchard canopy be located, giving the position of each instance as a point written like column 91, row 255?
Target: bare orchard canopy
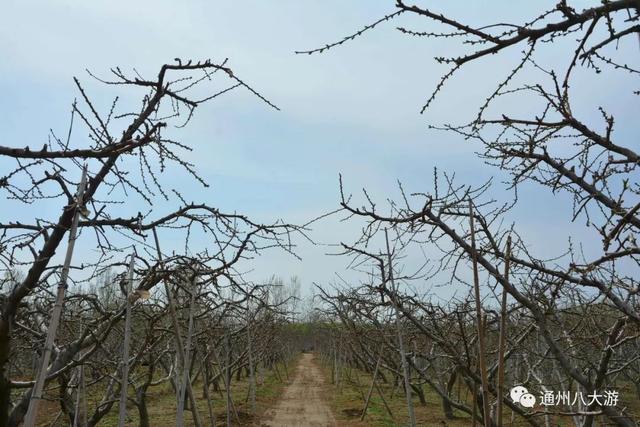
column 450, row 313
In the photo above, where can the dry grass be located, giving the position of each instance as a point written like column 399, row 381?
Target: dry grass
column 161, row 404
column 347, row 402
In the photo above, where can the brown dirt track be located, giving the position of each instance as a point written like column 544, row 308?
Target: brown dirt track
column 301, row 403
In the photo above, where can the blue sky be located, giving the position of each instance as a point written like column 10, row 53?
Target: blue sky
column 354, row 110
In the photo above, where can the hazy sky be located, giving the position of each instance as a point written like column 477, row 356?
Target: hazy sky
column 353, row 110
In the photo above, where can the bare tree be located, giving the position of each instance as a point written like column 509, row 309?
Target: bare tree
column 128, row 151
column 583, row 309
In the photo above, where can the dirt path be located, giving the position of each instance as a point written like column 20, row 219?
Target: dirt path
column 301, row 403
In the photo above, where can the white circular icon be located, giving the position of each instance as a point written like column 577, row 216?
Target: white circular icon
column 528, row 400
column 517, row 392
column 521, row 395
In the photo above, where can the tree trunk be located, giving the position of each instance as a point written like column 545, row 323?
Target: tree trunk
column 143, row 413
column 5, row 385
column 447, row 409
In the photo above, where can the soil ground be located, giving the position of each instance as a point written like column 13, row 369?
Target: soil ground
column 302, row 402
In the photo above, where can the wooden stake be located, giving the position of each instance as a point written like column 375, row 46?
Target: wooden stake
column 178, row 336
column 222, row 371
column 373, row 383
column 252, row 376
column 405, row 365
column 503, row 334
column 227, row 374
column 124, row 384
column 56, row 314
column 481, row 345
column 384, row 402
column 186, row 365
column 80, row 415
column 207, row 395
